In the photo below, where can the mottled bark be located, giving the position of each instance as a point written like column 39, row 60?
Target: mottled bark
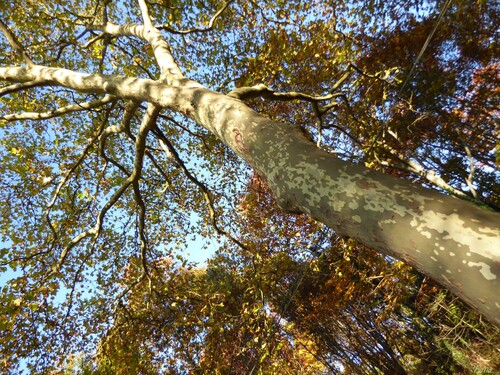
column 450, row 240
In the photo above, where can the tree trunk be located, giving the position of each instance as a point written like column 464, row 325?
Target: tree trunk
column 453, row 241
column 450, row 240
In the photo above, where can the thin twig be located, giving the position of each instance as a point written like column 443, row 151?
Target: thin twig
column 170, row 150
column 67, row 175
column 147, row 124
column 124, row 127
column 178, row 124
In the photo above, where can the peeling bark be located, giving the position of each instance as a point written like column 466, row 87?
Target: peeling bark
column 450, row 240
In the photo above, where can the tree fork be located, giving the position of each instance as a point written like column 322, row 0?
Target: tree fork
column 453, row 241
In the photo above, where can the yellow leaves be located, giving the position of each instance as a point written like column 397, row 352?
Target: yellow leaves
column 97, row 50
column 16, row 151
column 399, row 265
column 137, row 60
column 314, row 265
column 150, row 52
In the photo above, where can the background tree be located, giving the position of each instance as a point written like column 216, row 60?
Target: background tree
column 105, row 179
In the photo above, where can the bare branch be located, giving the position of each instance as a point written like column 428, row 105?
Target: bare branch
column 341, row 81
column 145, row 14
column 94, row 39
column 376, row 76
column 124, row 127
column 64, row 44
column 60, row 111
column 63, row 182
column 343, row 131
column 159, row 168
column 148, row 123
column 130, row 110
column 15, row 44
column 21, row 86
column 318, row 113
column 69, row 172
column 142, row 224
column 140, row 89
column 178, row 124
column 163, row 55
column 209, row 27
column 468, row 179
column 96, row 230
column 169, row 149
column 261, row 90
column 415, row 167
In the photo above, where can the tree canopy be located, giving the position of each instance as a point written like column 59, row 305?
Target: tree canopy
column 131, row 131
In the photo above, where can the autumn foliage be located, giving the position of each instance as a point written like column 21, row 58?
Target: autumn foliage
column 282, row 293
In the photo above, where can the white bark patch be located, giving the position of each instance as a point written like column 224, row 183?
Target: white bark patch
column 484, row 269
column 487, row 230
column 426, row 234
column 388, row 221
column 327, row 188
column 353, row 205
column 485, row 245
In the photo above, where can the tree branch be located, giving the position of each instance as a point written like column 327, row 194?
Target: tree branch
column 66, row 177
column 261, row 90
column 159, row 169
column 149, row 121
column 169, row 149
column 161, row 49
column 124, row 127
column 60, row 111
column 193, row 134
column 140, row 89
column 21, row 86
column 15, row 44
column 415, row 167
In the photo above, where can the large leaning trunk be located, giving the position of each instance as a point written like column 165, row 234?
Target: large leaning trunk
column 453, row 241
column 450, row 240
